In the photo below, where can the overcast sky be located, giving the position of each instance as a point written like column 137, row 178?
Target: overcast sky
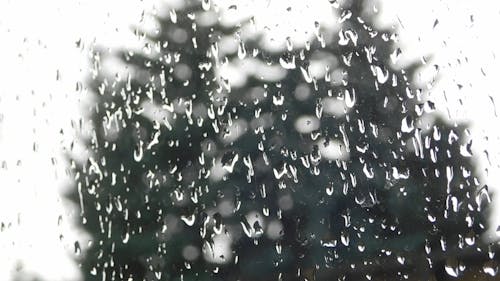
column 40, row 66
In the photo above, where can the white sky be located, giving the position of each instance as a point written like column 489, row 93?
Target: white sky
column 38, row 41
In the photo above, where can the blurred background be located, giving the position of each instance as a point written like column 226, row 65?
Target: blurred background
column 45, row 55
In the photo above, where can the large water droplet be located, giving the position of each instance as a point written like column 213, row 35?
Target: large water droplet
column 350, row 98
column 451, row 267
column 407, row 124
column 288, row 62
column 490, row 268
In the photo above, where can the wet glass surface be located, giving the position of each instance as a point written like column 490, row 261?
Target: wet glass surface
column 218, row 140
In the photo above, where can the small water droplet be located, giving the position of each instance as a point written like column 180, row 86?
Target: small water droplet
column 77, row 248
column 189, row 220
column 242, row 52
column 205, row 4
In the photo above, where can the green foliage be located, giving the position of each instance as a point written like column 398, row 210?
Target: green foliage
column 349, row 173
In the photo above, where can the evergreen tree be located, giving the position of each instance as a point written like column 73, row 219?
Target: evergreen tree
column 325, row 163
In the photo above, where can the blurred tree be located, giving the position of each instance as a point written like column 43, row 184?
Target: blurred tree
column 324, row 163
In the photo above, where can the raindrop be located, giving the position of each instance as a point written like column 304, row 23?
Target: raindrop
column 205, row 4
column 401, row 260
column 329, row 189
column 77, row 248
column 451, row 267
column 173, row 16
column 319, row 110
column 329, row 244
column 242, row 52
column 229, row 161
column 258, row 230
column 350, row 98
column 344, row 238
column 368, row 171
column 289, row 44
column 189, row 220
column 125, row 237
column 382, row 74
column 278, row 174
column 138, row 152
column 278, row 99
column 346, row 14
column 396, row 55
column 490, row 268
column 466, row 150
column 306, row 74
column 247, row 229
column 436, row 22
column 287, row 62
column 407, row 124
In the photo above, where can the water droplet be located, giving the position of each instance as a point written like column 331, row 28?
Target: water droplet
column 138, row 152
column 205, row 4
column 306, row 74
column 287, row 62
column 125, row 237
column 407, row 124
column 189, row 220
column 242, row 51
column 451, row 267
column 77, row 248
column 401, row 260
column 229, row 161
column 368, row 171
column 382, row 74
column 490, row 268
column 329, row 244
column 350, row 98
column 344, row 238
column 278, row 99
